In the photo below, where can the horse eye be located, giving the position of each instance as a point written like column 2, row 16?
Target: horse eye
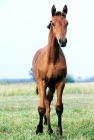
column 53, row 24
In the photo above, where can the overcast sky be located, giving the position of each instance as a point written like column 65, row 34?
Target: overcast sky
column 23, row 30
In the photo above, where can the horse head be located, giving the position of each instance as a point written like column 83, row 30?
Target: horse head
column 59, row 25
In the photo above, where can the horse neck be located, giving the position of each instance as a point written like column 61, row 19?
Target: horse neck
column 53, row 47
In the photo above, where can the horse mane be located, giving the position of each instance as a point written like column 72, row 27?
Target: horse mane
column 58, row 13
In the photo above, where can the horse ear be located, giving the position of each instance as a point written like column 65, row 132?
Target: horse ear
column 53, row 10
column 65, row 9
column 48, row 26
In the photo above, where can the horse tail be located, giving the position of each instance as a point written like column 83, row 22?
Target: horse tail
column 36, row 91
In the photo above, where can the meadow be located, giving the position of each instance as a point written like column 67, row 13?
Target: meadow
column 19, row 116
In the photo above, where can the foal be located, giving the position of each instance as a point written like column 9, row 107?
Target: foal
column 49, row 67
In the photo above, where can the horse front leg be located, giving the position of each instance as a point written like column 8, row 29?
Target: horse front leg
column 41, row 107
column 47, row 116
column 59, row 107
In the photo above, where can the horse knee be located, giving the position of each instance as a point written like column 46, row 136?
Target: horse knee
column 59, row 109
column 41, row 110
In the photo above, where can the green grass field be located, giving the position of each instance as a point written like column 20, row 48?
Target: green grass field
column 19, row 116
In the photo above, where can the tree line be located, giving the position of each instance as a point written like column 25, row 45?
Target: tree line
column 14, row 81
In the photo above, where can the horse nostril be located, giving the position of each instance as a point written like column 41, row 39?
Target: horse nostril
column 60, row 41
column 66, row 40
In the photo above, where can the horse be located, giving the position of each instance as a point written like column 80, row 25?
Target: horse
column 50, row 68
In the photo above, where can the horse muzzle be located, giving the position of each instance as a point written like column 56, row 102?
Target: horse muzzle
column 62, row 43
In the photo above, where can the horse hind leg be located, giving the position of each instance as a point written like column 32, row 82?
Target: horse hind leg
column 45, row 120
column 49, row 96
column 47, row 116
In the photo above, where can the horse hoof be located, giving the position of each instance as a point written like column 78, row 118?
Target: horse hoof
column 39, row 129
column 50, row 131
column 59, row 132
column 45, row 123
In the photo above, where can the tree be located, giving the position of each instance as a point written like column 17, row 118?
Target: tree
column 69, row 79
column 32, row 74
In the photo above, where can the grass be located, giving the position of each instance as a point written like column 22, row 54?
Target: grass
column 19, row 116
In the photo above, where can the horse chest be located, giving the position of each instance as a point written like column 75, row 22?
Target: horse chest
column 55, row 73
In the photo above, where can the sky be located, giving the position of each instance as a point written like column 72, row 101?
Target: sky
column 23, row 30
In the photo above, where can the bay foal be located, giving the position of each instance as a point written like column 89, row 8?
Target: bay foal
column 49, row 67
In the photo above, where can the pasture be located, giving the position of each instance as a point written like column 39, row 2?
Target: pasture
column 19, row 116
